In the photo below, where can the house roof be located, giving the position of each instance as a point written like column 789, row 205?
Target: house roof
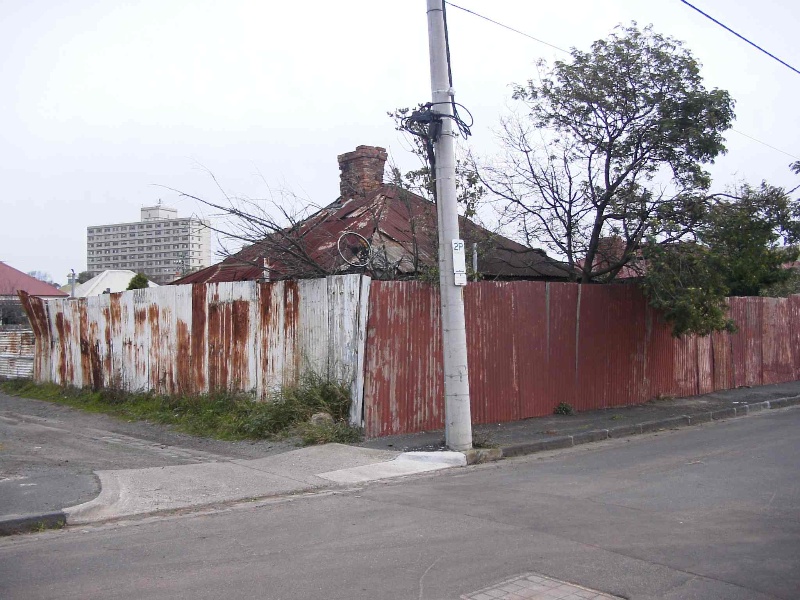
column 116, row 280
column 13, row 281
column 399, row 225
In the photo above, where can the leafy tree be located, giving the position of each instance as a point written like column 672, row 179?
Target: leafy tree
column 738, row 248
column 748, row 237
column 613, row 146
column 138, row 282
column 83, row 277
column 682, row 281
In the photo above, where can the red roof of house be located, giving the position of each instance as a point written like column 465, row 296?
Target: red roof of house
column 13, row 281
column 399, row 224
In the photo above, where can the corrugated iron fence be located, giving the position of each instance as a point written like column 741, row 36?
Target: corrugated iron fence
column 16, row 353
column 242, row 336
column 533, row 345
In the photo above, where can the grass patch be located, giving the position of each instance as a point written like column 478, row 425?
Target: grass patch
column 221, row 415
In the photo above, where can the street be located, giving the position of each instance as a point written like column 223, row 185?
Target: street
column 709, row 512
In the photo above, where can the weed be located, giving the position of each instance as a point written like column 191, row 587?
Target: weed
column 483, row 440
column 564, row 409
column 325, row 433
column 221, row 415
column 661, row 398
column 616, row 417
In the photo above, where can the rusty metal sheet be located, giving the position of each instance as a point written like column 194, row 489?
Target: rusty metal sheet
column 776, row 347
column 563, row 329
column 747, row 341
column 17, row 351
column 534, row 306
column 596, row 348
column 403, row 383
column 492, row 352
column 240, row 336
column 794, row 332
column 722, row 360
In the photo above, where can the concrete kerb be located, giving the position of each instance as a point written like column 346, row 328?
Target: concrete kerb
column 15, row 524
column 426, row 461
column 482, row 455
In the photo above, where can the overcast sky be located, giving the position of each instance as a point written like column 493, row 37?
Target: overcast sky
column 101, row 102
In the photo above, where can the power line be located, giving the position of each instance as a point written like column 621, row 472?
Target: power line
column 765, row 144
column 562, row 50
column 466, row 10
column 741, row 37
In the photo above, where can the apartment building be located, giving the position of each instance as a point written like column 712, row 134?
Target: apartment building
column 161, row 245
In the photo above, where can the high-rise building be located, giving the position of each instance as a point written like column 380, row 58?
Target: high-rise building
column 161, row 245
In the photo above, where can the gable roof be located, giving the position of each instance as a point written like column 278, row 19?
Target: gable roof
column 13, row 281
column 116, row 280
column 400, row 226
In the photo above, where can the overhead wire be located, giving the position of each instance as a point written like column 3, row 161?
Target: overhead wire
column 522, row 33
column 462, row 126
column 485, row 18
column 741, row 37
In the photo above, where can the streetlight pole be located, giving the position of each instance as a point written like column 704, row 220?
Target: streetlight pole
column 458, row 421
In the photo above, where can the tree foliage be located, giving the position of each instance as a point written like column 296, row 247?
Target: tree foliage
column 138, row 282
column 83, row 277
column 614, row 141
column 739, row 247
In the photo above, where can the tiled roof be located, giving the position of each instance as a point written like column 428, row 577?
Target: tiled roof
column 399, row 224
column 13, row 281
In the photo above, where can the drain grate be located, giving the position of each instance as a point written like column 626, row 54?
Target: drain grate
column 537, row 587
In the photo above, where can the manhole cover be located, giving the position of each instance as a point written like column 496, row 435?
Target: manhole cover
column 537, row 587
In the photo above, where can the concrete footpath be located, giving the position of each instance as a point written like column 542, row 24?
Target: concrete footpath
column 144, row 491
column 172, row 475
column 504, row 440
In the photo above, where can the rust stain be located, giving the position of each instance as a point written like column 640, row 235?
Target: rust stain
column 83, row 341
column 291, row 321
column 156, row 380
column 215, row 321
column 95, row 359
column 240, row 355
column 198, row 337
column 183, row 356
column 61, row 367
column 265, row 314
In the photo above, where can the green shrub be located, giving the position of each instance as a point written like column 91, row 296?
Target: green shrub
column 564, row 409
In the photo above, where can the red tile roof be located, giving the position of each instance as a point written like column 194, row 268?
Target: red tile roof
column 13, row 281
column 395, row 221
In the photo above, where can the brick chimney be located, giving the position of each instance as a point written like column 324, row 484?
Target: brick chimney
column 362, row 171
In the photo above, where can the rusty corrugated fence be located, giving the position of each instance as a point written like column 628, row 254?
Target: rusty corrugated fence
column 16, row 353
column 241, row 336
column 533, row 345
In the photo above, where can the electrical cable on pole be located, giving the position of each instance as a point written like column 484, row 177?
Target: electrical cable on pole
column 452, row 267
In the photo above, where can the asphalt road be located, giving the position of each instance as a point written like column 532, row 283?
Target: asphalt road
column 709, row 512
column 48, row 453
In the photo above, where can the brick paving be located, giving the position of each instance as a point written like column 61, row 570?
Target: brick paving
column 536, row 587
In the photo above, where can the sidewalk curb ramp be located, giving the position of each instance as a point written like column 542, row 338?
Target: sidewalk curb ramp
column 407, row 463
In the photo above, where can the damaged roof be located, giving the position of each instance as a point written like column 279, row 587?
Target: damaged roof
column 401, row 227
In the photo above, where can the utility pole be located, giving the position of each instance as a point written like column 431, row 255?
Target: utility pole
column 458, row 420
